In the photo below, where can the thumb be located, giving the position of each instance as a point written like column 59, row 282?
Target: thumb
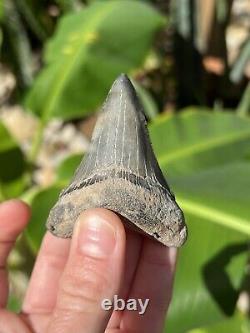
column 92, row 273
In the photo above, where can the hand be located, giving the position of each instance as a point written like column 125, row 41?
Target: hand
column 72, row 277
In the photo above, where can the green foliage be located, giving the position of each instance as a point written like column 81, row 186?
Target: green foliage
column 12, row 164
column 41, row 204
column 198, row 37
column 85, row 56
column 204, row 154
column 69, row 5
column 199, row 153
column 14, row 304
column 67, row 168
column 149, row 105
column 237, row 323
column 208, row 283
column 42, row 200
column 1, row 10
column 193, row 141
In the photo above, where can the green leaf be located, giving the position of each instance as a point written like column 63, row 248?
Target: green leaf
column 68, row 166
column 220, row 195
column 42, row 200
column 212, row 264
column 238, row 323
column 13, row 188
column 148, row 103
column 14, row 303
column 6, row 140
column 1, row 10
column 89, row 50
column 41, row 203
column 209, row 272
column 196, row 140
column 12, row 165
column 69, row 5
column 203, row 154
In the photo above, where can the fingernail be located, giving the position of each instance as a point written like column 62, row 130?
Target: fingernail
column 97, row 237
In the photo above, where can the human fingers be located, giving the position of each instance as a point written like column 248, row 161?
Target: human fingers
column 41, row 294
column 133, row 249
column 47, row 271
column 10, row 322
column 153, row 282
column 14, row 215
column 92, row 273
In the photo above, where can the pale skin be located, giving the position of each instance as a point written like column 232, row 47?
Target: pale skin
column 71, row 277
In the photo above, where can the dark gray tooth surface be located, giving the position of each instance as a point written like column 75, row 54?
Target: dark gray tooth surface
column 120, row 172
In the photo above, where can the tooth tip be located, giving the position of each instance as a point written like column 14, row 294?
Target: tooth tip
column 123, row 79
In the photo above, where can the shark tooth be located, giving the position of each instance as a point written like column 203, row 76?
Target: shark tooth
column 120, row 172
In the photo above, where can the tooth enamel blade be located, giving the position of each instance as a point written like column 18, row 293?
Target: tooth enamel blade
column 120, row 138
column 120, row 172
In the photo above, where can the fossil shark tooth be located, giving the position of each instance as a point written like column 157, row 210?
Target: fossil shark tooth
column 120, row 172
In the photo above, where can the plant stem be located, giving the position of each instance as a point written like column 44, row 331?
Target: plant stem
column 243, row 108
column 19, row 42
column 37, row 141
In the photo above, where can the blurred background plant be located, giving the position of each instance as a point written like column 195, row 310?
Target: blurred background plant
column 190, row 63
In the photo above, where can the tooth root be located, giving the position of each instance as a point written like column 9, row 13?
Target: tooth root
column 119, row 170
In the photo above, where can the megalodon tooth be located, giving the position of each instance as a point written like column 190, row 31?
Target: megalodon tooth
column 120, row 172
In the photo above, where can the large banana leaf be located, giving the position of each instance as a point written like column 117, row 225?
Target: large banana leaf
column 90, row 48
column 212, row 264
column 204, row 154
column 193, row 141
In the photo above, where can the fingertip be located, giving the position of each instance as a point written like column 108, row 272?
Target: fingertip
column 99, row 233
column 15, row 204
column 14, row 211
